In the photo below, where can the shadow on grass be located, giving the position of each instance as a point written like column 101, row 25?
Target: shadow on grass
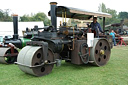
column 64, row 65
column 26, row 75
column 75, row 66
column 2, row 64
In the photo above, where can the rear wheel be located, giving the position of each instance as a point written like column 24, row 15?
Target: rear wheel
column 100, row 52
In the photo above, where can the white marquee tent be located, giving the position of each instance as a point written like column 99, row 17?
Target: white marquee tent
column 6, row 28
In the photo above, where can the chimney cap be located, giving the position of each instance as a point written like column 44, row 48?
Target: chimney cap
column 14, row 14
column 53, row 3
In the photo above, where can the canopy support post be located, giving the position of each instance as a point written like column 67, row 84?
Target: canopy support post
column 103, row 23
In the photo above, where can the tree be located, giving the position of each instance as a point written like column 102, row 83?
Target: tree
column 36, row 17
column 1, row 15
column 41, row 17
column 114, row 19
column 123, row 15
column 4, row 15
column 26, row 18
column 102, row 8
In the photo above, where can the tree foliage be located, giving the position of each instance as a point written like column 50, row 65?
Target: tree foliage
column 123, row 15
column 4, row 15
column 102, row 8
column 114, row 19
column 37, row 17
column 25, row 18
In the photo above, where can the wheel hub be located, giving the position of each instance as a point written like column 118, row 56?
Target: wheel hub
column 102, row 52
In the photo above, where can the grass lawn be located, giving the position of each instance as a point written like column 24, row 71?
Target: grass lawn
column 113, row 73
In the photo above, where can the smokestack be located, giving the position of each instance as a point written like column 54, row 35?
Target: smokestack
column 15, row 26
column 53, row 15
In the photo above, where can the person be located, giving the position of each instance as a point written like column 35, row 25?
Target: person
column 112, row 33
column 95, row 27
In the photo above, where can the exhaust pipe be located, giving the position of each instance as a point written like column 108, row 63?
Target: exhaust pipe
column 53, row 15
column 15, row 26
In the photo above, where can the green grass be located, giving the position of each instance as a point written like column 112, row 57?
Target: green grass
column 113, row 73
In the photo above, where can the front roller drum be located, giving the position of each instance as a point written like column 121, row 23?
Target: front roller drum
column 31, row 56
column 100, row 52
column 6, row 55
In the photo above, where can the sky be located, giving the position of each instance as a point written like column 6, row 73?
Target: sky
column 22, row 7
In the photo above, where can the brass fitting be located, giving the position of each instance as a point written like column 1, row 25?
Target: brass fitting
column 102, row 52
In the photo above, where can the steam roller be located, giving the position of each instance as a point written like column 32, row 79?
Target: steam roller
column 68, row 43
